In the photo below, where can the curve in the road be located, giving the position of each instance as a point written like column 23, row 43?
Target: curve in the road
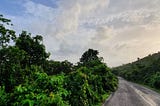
column 131, row 94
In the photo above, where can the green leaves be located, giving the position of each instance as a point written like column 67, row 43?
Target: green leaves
column 144, row 71
column 27, row 102
column 33, row 47
column 43, row 91
column 4, row 97
column 56, row 67
column 89, row 56
column 4, row 20
column 6, row 35
column 29, row 79
column 89, row 84
column 11, row 71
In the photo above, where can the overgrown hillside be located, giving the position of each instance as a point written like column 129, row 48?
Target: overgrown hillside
column 145, row 71
column 29, row 78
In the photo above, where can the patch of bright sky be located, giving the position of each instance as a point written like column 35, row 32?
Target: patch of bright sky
column 11, row 7
column 16, row 7
column 49, row 3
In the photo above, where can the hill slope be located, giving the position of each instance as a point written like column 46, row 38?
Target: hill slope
column 145, row 71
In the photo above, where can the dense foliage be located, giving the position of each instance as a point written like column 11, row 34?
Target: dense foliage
column 145, row 71
column 29, row 78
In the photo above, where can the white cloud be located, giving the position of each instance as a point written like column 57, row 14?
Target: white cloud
column 39, row 10
column 61, row 26
column 72, row 11
column 120, row 30
column 132, row 42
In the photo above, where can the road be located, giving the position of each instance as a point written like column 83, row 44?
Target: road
column 131, row 94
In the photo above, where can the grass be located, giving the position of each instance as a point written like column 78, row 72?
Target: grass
column 154, row 89
column 147, row 86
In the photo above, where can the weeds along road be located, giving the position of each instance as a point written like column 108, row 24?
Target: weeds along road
column 131, row 94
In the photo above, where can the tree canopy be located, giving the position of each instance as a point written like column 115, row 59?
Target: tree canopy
column 30, row 78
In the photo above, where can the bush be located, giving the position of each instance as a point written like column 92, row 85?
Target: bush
column 44, row 91
column 4, row 97
column 88, row 85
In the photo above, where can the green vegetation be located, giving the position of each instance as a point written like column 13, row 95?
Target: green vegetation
column 29, row 78
column 145, row 71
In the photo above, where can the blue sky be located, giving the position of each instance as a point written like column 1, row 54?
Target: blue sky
column 10, row 7
column 121, row 30
column 16, row 7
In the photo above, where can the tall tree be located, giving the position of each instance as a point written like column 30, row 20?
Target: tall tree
column 34, row 47
column 90, row 58
column 11, row 71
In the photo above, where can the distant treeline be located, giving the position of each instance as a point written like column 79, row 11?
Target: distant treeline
column 29, row 78
column 145, row 71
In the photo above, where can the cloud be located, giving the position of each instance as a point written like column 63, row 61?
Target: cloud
column 102, row 34
column 120, row 30
column 39, row 10
column 72, row 11
column 126, row 18
column 133, row 42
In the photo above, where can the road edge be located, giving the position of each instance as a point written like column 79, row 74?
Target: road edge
column 107, row 100
column 111, row 95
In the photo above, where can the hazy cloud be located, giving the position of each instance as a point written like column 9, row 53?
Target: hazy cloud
column 120, row 30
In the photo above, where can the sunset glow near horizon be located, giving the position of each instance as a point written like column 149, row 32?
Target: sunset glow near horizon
column 121, row 30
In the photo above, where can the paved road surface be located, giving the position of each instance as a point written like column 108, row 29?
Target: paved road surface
column 131, row 94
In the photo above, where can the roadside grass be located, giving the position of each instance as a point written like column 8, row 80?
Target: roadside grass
column 147, row 86
column 104, row 98
column 154, row 89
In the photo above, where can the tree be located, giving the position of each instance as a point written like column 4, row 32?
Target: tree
column 6, row 35
column 89, row 55
column 11, row 71
column 27, row 77
column 10, row 57
column 90, row 58
column 57, row 67
column 33, row 47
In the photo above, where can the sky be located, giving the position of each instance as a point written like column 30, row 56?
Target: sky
column 121, row 30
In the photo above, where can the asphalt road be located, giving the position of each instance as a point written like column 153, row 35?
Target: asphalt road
column 131, row 94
